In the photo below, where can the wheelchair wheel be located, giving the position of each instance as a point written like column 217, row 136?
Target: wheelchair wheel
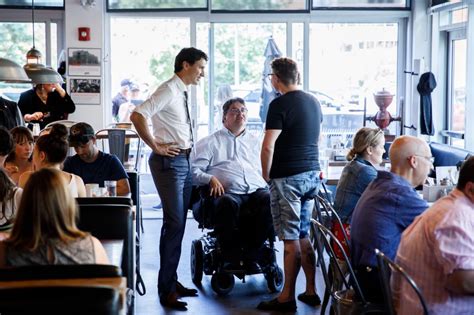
column 197, row 258
column 222, row 283
column 275, row 279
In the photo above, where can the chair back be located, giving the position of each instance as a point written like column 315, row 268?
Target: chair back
column 328, row 238
column 36, row 296
column 386, row 266
column 104, row 200
column 41, row 272
column 111, row 222
column 59, row 299
column 336, row 219
column 118, row 143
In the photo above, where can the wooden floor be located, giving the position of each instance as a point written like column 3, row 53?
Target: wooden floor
column 242, row 300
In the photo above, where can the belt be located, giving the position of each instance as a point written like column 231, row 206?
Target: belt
column 185, row 151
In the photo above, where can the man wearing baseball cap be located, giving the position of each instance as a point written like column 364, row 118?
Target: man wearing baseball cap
column 91, row 164
column 122, row 97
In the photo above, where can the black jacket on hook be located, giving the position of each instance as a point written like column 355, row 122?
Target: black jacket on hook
column 426, row 85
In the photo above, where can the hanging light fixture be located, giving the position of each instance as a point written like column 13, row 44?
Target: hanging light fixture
column 12, row 72
column 40, row 74
column 33, row 56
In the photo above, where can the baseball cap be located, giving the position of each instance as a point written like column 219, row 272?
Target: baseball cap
column 126, row 82
column 134, row 87
column 80, row 133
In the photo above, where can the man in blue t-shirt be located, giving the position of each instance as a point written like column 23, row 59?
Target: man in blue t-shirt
column 386, row 208
column 91, row 164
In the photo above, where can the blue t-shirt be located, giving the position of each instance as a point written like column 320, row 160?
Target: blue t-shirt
column 298, row 115
column 105, row 167
column 385, row 209
column 355, row 178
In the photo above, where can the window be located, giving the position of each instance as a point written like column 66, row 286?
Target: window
column 259, row 5
column 361, row 4
column 146, row 63
column 344, row 73
column 17, row 38
column 239, row 67
column 457, row 86
column 148, row 5
column 38, row 3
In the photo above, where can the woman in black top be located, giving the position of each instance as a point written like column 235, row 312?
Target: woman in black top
column 45, row 103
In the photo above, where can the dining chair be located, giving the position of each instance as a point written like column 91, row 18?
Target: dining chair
column 350, row 299
column 55, row 289
column 386, row 267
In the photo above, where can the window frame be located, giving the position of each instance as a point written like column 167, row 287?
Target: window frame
column 326, row 16
column 41, row 16
column 407, row 7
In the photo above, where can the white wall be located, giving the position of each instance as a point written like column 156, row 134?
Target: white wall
column 421, row 50
column 93, row 17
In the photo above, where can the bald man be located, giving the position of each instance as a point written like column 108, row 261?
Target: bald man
column 386, row 208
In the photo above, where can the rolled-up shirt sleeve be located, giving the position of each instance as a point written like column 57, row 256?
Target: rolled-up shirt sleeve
column 155, row 102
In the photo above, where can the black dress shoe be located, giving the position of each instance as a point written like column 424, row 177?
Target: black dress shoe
column 183, row 291
column 172, row 301
column 312, row 300
column 274, row 305
column 252, row 267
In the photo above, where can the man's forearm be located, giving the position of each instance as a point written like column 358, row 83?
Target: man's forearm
column 123, row 187
column 266, row 158
column 141, row 126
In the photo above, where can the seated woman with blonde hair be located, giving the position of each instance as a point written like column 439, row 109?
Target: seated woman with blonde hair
column 366, row 152
column 44, row 231
column 50, row 151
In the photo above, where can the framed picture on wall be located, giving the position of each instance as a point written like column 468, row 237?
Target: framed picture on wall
column 85, row 91
column 84, row 61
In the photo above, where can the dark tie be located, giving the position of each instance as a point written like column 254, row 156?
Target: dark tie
column 189, row 117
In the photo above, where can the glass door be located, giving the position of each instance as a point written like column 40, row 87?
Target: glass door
column 457, row 85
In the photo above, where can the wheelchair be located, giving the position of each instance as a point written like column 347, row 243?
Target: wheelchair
column 207, row 258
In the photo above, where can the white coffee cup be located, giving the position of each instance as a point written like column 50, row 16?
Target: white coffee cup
column 111, row 186
column 92, row 190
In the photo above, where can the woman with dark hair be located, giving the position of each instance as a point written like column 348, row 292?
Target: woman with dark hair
column 19, row 160
column 44, row 231
column 45, row 103
column 10, row 196
column 51, row 151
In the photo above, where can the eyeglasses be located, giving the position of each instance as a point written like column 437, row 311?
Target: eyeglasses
column 236, row 111
column 428, row 158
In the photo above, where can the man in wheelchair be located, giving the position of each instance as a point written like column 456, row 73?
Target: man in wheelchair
column 227, row 164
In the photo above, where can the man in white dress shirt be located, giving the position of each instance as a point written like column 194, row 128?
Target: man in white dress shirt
column 171, row 142
column 227, row 161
